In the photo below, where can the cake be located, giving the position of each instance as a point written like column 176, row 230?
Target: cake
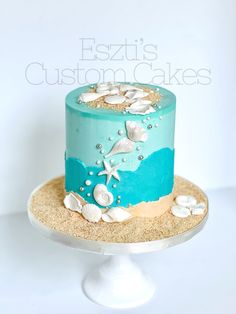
column 119, row 158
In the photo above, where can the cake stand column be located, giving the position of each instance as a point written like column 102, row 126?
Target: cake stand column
column 118, row 283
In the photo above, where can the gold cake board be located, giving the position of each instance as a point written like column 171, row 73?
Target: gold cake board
column 46, row 209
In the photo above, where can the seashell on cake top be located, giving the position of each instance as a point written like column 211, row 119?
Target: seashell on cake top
column 119, row 155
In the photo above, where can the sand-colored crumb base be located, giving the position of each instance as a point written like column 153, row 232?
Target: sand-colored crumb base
column 47, row 206
column 153, row 96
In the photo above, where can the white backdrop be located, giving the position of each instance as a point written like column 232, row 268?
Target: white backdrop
column 186, row 34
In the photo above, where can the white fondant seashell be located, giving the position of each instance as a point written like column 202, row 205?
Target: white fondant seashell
column 116, row 214
column 91, row 212
column 136, row 94
column 86, row 97
column 103, row 90
column 102, row 196
column 135, row 132
column 140, row 107
column 124, row 88
column 106, row 218
column 124, row 145
column 72, row 203
column 102, row 87
column 115, row 99
column 114, row 91
column 198, row 209
column 180, row 211
column 186, row 200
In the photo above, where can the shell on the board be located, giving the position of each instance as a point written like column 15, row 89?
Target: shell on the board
column 91, row 212
column 180, row 211
column 116, row 214
column 186, row 200
column 73, row 203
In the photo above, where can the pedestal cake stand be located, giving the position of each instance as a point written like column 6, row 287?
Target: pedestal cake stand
column 118, row 282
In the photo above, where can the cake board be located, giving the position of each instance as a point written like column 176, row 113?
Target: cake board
column 118, row 282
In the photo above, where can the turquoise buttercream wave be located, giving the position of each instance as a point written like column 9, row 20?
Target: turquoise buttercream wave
column 153, row 179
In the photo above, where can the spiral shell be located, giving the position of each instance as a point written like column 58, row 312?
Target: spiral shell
column 102, row 196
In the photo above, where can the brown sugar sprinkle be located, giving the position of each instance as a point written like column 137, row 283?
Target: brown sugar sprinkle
column 153, row 96
column 47, row 206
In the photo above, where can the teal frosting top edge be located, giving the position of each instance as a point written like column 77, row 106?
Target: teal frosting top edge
column 167, row 103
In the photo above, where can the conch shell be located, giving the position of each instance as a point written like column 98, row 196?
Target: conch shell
column 72, row 203
column 116, row 214
column 102, row 196
column 91, row 212
column 135, row 132
column 124, row 145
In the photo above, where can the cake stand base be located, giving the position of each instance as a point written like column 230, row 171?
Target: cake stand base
column 118, row 283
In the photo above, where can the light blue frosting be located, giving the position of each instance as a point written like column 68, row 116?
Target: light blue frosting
column 86, row 127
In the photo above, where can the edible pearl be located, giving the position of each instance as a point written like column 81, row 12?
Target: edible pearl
column 160, row 117
column 102, row 151
column 110, row 138
column 159, row 107
column 114, row 186
column 98, row 162
column 156, row 125
column 120, row 132
column 90, row 173
column 118, row 201
column 138, row 148
column 149, row 126
column 88, row 182
column 112, row 161
column 119, row 197
column 81, row 189
column 148, row 118
column 140, row 157
column 124, row 159
column 88, row 194
column 99, row 146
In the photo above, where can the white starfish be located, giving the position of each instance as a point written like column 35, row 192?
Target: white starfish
column 110, row 172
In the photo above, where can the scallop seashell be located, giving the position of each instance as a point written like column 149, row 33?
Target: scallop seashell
column 141, row 106
column 72, row 203
column 124, row 88
column 186, row 200
column 86, row 97
column 115, row 99
column 91, row 212
column 136, row 94
column 124, row 145
column 102, row 196
column 180, row 211
column 198, row 209
column 116, row 214
column 135, row 132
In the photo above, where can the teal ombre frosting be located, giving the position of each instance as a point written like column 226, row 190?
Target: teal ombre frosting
column 141, row 180
column 153, row 179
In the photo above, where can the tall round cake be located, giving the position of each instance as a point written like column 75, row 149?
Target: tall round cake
column 119, row 155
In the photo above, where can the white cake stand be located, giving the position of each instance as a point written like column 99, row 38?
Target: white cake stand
column 118, row 282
